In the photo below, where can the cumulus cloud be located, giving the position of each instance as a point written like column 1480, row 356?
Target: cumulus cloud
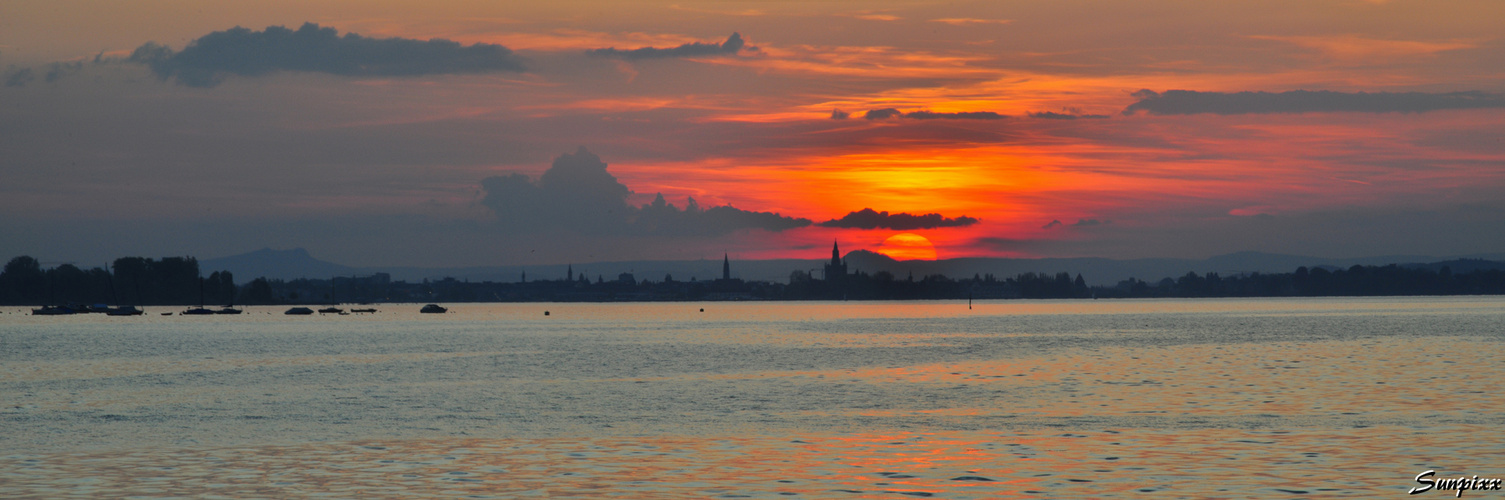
column 1053, row 224
column 837, row 114
column 577, row 194
column 730, row 47
column 1185, row 102
column 886, row 113
column 868, row 218
column 205, row 62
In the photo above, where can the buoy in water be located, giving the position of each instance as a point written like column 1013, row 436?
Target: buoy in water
column 702, row 309
column 545, row 313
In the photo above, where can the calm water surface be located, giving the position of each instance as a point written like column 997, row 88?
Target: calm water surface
column 1018, row 399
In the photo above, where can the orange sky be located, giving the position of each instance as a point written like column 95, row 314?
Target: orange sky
column 96, row 141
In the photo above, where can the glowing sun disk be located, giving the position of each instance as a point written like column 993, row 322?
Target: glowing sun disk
column 908, row 246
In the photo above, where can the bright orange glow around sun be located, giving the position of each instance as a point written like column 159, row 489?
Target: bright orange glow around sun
column 908, row 246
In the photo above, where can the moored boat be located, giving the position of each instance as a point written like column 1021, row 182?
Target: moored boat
column 433, row 309
column 53, row 311
column 299, row 311
column 227, row 310
column 331, row 310
column 124, row 311
column 197, row 311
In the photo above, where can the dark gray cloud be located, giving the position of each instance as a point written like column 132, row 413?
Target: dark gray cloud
column 868, row 218
column 239, row 51
column 577, row 194
column 730, row 47
column 963, row 115
column 1186, row 102
column 51, row 73
column 18, row 77
column 1053, row 224
column 886, row 113
column 59, row 70
column 837, row 114
column 663, row 218
column 1052, row 115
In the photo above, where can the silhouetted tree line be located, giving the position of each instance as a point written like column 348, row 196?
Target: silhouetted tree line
column 883, row 285
column 1315, row 282
column 134, row 280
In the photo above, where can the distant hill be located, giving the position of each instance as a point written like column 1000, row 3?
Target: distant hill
column 297, row 263
column 279, row 264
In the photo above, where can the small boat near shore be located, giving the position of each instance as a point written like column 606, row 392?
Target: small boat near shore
column 299, row 311
column 227, row 310
column 433, row 309
column 331, row 310
column 197, row 311
column 363, row 311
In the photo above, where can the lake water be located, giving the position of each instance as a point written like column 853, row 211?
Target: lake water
column 1013, row 399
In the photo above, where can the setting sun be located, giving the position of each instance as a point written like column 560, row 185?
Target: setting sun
column 908, row 246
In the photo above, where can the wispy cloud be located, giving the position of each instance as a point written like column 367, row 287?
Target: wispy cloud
column 1069, row 115
column 1355, row 48
column 967, row 21
column 1185, row 102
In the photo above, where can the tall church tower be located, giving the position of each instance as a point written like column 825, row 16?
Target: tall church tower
column 837, row 269
column 726, row 266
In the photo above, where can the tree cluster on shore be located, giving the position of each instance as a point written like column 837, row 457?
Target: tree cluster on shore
column 1356, row 281
column 130, row 280
column 177, row 281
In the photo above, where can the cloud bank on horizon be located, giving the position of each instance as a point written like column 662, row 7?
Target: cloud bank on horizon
column 403, row 133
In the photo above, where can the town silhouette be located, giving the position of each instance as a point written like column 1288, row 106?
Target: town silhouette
column 137, row 281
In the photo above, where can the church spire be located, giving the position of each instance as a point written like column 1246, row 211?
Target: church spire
column 726, row 266
column 836, row 270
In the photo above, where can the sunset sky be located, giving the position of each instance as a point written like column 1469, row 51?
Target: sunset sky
column 1152, row 128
